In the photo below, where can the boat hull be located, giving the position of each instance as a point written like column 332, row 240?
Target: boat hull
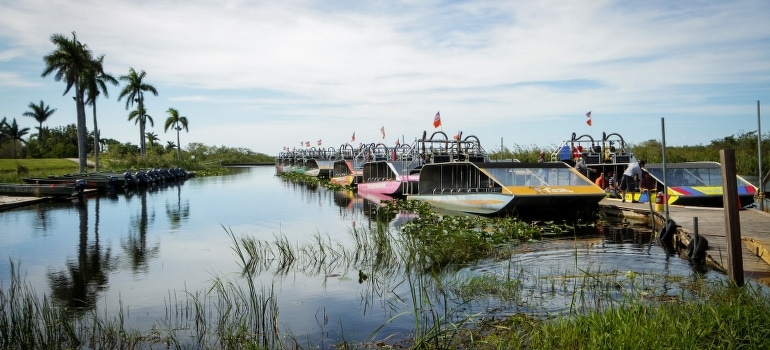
column 48, row 190
column 500, row 188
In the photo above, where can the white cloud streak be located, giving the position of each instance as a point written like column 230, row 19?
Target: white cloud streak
column 526, row 70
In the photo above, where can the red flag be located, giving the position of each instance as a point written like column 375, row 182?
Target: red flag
column 588, row 121
column 307, row 143
column 382, row 130
column 437, row 120
column 353, row 139
column 319, row 142
column 397, row 142
column 456, row 137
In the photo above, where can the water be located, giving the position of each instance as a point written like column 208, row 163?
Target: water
column 144, row 250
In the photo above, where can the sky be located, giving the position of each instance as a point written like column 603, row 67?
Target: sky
column 265, row 75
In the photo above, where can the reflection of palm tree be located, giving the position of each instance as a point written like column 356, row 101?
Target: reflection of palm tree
column 78, row 287
column 135, row 244
column 178, row 213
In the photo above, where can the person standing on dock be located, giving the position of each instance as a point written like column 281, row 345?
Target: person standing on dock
column 582, row 168
column 632, row 174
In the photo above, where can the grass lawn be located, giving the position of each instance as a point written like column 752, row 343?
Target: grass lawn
column 12, row 170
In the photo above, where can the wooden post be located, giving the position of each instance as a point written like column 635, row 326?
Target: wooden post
column 732, row 219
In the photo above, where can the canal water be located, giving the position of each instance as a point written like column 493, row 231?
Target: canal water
column 145, row 252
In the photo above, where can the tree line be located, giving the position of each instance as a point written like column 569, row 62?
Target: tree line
column 745, row 145
column 73, row 63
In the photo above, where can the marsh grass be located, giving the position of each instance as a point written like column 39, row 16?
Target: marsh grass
column 415, row 271
column 716, row 316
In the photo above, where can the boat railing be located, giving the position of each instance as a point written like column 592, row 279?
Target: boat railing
column 464, row 190
column 611, row 149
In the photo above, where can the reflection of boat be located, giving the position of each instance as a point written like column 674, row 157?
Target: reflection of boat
column 42, row 190
column 697, row 183
column 491, row 188
column 378, row 200
column 375, row 197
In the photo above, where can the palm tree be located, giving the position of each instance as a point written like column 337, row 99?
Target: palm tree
column 178, row 123
column 95, row 83
column 41, row 113
column 134, row 91
column 3, row 126
column 152, row 138
column 15, row 133
column 170, row 145
column 140, row 114
column 69, row 61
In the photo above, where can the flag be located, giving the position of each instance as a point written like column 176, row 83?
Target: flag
column 382, row 131
column 307, row 143
column 319, row 142
column 353, row 139
column 457, row 136
column 437, row 120
column 588, row 121
column 398, row 142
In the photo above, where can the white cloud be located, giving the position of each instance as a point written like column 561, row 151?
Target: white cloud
column 524, row 70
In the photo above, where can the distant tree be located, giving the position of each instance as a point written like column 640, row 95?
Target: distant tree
column 60, row 142
column 69, row 61
column 152, row 138
column 140, row 116
column 170, row 145
column 15, row 133
column 134, row 92
column 178, row 123
column 95, row 83
column 41, row 113
column 3, row 125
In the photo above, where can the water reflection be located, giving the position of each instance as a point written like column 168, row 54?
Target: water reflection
column 135, row 243
column 179, row 211
column 344, row 268
column 79, row 284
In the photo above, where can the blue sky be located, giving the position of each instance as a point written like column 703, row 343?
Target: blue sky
column 267, row 74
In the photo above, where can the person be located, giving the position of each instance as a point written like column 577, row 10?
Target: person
column 541, row 158
column 581, row 166
column 632, row 174
column 612, row 185
column 601, row 181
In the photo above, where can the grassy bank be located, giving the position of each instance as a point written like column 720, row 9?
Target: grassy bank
column 13, row 170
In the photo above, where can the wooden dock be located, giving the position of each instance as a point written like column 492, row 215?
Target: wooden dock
column 754, row 225
column 10, row 202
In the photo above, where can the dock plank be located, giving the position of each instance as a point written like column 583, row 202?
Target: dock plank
column 754, row 229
